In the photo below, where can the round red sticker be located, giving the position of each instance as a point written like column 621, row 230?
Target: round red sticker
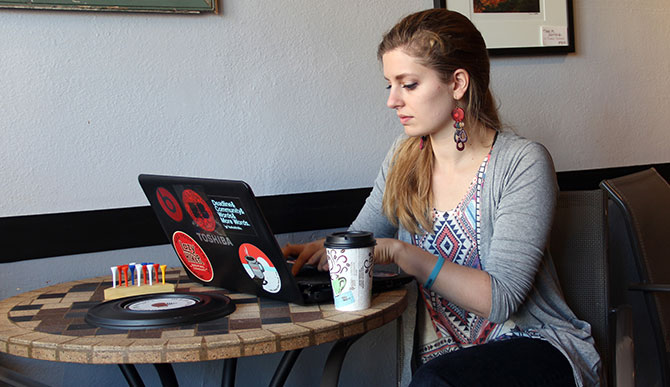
column 169, row 204
column 260, row 268
column 198, row 209
column 192, row 256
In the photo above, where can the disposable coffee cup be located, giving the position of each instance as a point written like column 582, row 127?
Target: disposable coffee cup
column 350, row 263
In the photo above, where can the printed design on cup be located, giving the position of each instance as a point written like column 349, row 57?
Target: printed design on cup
column 350, row 261
column 260, row 268
column 169, row 204
column 339, row 267
column 198, row 209
column 192, row 256
column 367, row 265
column 338, row 285
column 343, row 276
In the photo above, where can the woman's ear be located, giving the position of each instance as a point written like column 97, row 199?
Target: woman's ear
column 461, row 82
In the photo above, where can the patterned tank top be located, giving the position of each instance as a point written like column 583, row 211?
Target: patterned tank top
column 456, row 238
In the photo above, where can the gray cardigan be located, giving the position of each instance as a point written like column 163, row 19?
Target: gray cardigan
column 517, row 208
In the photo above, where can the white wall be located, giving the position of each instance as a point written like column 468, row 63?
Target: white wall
column 279, row 93
column 287, row 95
column 605, row 106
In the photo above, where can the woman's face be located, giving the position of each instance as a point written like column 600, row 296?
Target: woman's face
column 421, row 99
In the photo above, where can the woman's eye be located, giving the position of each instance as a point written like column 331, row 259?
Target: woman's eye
column 408, row 86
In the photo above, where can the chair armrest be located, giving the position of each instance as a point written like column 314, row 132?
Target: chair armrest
column 649, row 287
column 624, row 353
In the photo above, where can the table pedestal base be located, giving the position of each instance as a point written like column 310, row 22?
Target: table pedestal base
column 331, row 371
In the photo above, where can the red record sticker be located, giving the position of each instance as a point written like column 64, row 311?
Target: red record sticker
column 200, row 212
column 260, row 268
column 192, row 256
column 169, row 204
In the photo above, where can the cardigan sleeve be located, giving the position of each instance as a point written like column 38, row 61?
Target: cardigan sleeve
column 371, row 217
column 522, row 222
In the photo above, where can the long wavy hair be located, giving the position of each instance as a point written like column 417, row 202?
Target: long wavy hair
column 443, row 41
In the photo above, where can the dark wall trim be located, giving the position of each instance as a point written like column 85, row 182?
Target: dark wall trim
column 51, row 235
column 590, row 178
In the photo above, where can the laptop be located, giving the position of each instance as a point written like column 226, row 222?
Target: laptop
column 222, row 239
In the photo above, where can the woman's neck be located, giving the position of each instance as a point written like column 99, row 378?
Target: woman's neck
column 446, row 154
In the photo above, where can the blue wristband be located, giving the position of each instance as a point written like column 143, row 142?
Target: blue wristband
column 434, row 273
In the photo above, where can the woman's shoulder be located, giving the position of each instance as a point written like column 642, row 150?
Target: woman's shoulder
column 509, row 145
column 519, row 159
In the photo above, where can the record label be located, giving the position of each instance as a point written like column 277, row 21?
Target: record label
column 164, row 303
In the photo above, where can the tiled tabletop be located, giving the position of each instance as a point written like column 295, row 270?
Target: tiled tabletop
column 48, row 324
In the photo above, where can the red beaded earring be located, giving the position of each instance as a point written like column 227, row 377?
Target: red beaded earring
column 460, row 136
column 421, row 143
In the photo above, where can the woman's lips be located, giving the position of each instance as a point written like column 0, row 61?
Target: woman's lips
column 404, row 119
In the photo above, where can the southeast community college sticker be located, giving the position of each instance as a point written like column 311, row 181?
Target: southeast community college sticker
column 259, row 268
column 192, row 256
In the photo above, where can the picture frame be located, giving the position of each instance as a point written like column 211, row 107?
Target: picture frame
column 544, row 27
column 158, row 6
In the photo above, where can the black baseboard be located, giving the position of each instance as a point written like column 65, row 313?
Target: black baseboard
column 51, row 235
column 589, row 179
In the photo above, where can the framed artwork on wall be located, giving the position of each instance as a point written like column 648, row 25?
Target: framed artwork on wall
column 520, row 27
column 162, row 6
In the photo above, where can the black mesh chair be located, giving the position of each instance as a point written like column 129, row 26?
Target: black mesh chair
column 642, row 200
column 578, row 246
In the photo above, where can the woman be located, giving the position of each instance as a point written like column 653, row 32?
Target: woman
column 467, row 209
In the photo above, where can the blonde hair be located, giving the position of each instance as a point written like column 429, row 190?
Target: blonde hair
column 443, row 41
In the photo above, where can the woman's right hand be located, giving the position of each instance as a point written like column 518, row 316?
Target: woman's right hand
column 312, row 253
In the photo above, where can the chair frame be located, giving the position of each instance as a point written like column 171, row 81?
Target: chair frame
column 648, row 289
column 613, row 331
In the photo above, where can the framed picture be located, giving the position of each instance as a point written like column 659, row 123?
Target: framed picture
column 163, row 6
column 520, row 27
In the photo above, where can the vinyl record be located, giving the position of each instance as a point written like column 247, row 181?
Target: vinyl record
column 159, row 310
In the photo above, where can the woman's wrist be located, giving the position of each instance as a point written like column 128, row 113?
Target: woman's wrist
column 414, row 260
column 400, row 254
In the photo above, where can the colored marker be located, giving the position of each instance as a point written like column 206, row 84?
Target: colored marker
column 114, row 269
column 144, row 272
column 163, row 267
column 156, row 266
column 124, row 270
column 131, row 266
column 150, row 268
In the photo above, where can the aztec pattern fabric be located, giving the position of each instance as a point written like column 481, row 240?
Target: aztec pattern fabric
column 456, row 239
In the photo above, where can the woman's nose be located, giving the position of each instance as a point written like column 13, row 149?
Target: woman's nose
column 393, row 101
